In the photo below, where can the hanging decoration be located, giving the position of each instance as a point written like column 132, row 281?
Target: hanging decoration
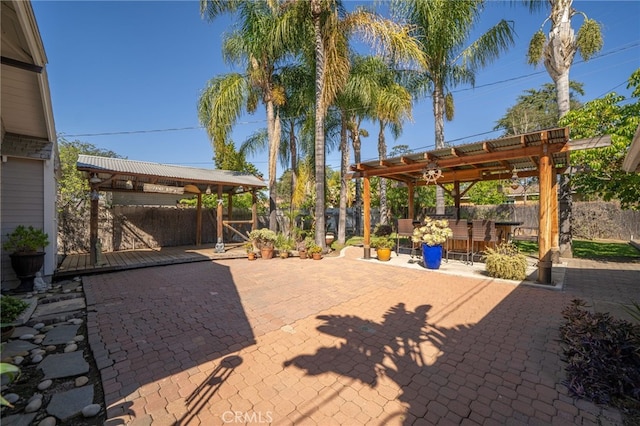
column 432, row 172
column 515, row 180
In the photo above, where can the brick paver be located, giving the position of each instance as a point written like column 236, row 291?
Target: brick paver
column 337, row 341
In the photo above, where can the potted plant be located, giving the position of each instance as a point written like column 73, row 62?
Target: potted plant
column 10, row 309
column 432, row 235
column 251, row 255
column 26, row 257
column 315, row 251
column 383, row 245
column 264, row 240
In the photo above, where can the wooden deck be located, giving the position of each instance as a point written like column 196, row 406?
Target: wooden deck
column 78, row 264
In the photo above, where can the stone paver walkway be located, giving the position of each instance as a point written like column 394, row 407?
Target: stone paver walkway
column 336, row 341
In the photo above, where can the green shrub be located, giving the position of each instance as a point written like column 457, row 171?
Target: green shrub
column 506, row 262
column 383, row 242
column 11, row 308
column 26, row 240
column 382, row 230
column 263, row 238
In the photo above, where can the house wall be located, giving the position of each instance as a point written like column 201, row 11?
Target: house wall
column 23, row 203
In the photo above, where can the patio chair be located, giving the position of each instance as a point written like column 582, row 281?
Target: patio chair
column 482, row 231
column 405, row 231
column 460, row 230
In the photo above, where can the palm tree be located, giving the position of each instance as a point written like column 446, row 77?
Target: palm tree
column 259, row 43
column 558, row 51
column 443, row 30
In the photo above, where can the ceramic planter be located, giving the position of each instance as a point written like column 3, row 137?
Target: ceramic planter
column 432, row 256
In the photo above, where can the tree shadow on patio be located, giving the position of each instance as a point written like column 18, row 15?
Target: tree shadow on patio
column 400, row 348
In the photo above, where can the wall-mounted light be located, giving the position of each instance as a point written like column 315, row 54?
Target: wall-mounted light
column 95, row 178
column 129, row 184
column 208, row 191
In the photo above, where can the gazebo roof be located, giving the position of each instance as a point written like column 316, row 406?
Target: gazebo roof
column 117, row 174
column 487, row 160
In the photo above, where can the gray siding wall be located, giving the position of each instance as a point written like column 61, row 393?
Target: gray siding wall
column 22, row 204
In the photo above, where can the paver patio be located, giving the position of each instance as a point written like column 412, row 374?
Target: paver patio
column 337, row 341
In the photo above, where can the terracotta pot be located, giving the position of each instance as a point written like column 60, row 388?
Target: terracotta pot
column 303, row 254
column 317, row 256
column 251, row 256
column 266, row 253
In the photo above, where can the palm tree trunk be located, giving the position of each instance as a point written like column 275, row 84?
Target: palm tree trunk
column 344, row 163
column 382, row 153
column 316, row 9
column 355, row 142
column 273, row 132
column 438, row 112
column 293, row 151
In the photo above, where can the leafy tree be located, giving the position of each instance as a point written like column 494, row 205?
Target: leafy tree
column 443, row 29
column 536, row 109
column 73, row 192
column 557, row 51
column 486, row 192
column 602, row 167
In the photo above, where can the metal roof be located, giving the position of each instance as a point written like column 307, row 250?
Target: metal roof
column 486, row 160
column 117, row 174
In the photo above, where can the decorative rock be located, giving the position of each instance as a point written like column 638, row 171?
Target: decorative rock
column 37, row 341
column 48, row 421
column 79, row 338
column 35, row 396
column 37, row 351
column 12, row 398
column 79, row 288
column 26, row 337
column 70, row 348
column 66, row 291
column 39, row 336
column 91, row 410
column 44, row 384
column 81, row 381
column 18, row 360
column 36, row 358
column 47, row 328
column 76, row 321
column 39, row 325
column 50, row 348
column 34, row 405
column 77, row 279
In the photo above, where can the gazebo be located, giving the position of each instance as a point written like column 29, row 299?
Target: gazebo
column 120, row 175
column 543, row 154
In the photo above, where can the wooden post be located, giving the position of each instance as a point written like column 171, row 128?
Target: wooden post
column 219, row 216
column 456, row 198
column 254, row 209
column 545, row 170
column 199, row 220
column 366, row 198
column 555, row 219
column 93, row 227
column 411, row 188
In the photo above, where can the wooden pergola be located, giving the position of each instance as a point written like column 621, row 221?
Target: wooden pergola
column 120, row 175
column 543, row 154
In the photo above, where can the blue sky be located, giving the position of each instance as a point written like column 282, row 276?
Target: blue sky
column 120, row 70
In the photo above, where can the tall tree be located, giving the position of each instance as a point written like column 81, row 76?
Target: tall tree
column 557, row 50
column 536, row 109
column 443, row 29
column 331, row 26
column 259, row 44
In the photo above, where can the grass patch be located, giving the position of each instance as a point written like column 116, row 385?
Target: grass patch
column 588, row 249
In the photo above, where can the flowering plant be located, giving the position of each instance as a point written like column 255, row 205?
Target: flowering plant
column 432, row 233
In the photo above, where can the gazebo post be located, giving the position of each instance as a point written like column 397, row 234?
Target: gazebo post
column 199, row 220
column 545, row 170
column 254, row 209
column 219, row 219
column 456, row 197
column 93, row 227
column 411, row 189
column 366, row 198
column 555, row 220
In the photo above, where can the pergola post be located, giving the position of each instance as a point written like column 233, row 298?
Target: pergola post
column 411, row 189
column 545, row 170
column 366, row 198
column 456, row 197
column 199, row 220
column 555, row 220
